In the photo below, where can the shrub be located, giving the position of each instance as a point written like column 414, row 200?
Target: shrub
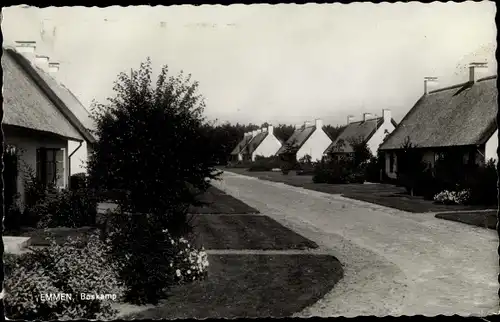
column 265, row 164
column 152, row 260
column 373, row 168
column 78, row 181
column 66, row 208
column 240, row 164
column 72, row 269
column 336, row 171
column 452, row 197
column 482, row 183
column 152, row 144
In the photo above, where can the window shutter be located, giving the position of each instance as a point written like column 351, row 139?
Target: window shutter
column 59, row 167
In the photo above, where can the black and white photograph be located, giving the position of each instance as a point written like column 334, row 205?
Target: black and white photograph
column 250, row 161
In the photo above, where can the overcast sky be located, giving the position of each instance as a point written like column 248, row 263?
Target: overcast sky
column 280, row 63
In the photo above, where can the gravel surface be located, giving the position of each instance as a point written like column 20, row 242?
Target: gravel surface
column 395, row 263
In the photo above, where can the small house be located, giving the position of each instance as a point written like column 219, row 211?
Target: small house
column 263, row 143
column 371, row 131
column 308, row 139
column 238, row 152
column 37, row 123
column 459, row 119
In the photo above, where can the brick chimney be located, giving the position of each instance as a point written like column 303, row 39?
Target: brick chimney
column 42, row 62
column 473, row 74
column 428, row 80
column 53, row 67
column 27, row 49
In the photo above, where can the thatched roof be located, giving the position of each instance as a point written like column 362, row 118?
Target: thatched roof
column 255, row 142
column 298, row 138
column 355, row 130
column 62, row 97
column 243, row 143
column 459, row 115
column 26, row 105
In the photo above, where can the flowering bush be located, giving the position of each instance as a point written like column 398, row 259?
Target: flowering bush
column 73, row 268
column 452, row 197
column 151, row 259
column 190, row 263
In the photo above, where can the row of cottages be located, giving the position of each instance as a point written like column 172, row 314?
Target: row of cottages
column 262, row 142
column 371, row 131
column 42, row 119
column 459, row 119
column 309, row 139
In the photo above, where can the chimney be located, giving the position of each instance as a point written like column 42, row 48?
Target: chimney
column 259, row 131
column 318, row 123
column 254, row 133
column 270, row 129
column 365, row 116
column 42, row 62
column 349, row 118
column 386, row 114
column 264, row 130
column 428, row 80
column 473, row 74
column 53, row 67
column 307, row 123
column 27, row 49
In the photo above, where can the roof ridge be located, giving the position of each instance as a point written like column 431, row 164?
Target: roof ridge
column 462, row 84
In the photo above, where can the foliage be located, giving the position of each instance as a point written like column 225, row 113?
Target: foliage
column 240, row 164
column 339, row 168
column 72, row 269
column 153, row 145
column 410, row 166
column 265, row 164
column 283, row 132
column 11, row 195
column 335, row 170
column 78, row 181
column 68, row 208
column 333, row 131
column 361, row 152
column 150, row 256
column 482, row 183
column 452, row 197
column 374, row 167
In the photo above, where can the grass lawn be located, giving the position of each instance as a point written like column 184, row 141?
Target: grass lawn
column 221, row 203
column 387, row 195
column 245, row 232
column 485, row 219
column 251, row 286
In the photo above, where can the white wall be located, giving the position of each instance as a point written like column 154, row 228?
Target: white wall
column 490, row 151
column 79, row 158
column 379, row 135
column 28, row 146
column 268, row 147
column 315, row 146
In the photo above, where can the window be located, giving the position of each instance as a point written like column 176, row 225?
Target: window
column 391, row 162
column 50, row 166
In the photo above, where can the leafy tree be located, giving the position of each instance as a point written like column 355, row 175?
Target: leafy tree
column 283, row 131
column 153, row 146
column 410, row 166
column 333, row 131
column 361, row 152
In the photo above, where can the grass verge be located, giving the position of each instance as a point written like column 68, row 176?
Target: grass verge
column 219, row 202
column 251, row 286
column 484, row 219
column 245, row 232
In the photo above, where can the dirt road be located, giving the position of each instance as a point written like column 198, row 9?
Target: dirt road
column 396, row 263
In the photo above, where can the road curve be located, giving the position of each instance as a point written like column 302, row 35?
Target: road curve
column 395, row 263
